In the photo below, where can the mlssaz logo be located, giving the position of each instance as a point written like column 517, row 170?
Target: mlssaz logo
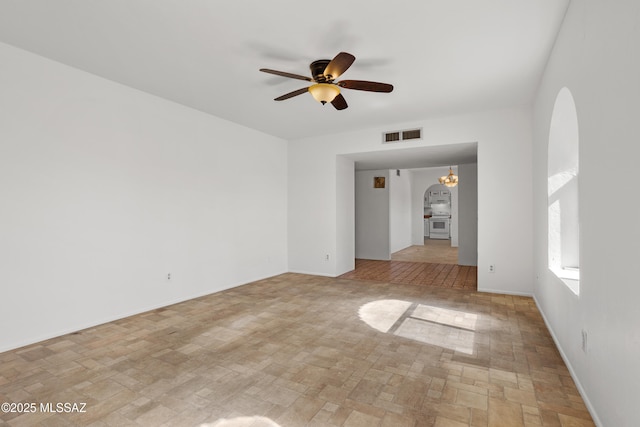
column 64, row 407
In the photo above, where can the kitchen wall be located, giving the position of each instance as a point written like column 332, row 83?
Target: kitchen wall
column 596, row 58
column 455, row 213
column 468, row 214
column 399, row 210
column 106, row 190
column 504, row 147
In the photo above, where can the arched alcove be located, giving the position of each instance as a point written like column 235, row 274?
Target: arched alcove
column 562, row 192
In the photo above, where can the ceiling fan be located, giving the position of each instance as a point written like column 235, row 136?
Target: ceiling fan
column 325, row 88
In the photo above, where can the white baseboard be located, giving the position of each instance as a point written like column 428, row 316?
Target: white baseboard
column 503, row 292
column 310, row 273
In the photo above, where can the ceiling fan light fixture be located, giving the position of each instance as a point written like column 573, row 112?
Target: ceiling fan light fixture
column 450, row 180
column 324, row 89
column 324, row 92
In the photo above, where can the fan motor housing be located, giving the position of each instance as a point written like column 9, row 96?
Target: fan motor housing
column 317, row 70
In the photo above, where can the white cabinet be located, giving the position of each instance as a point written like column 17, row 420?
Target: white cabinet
column 426, row 227
column 438, row 197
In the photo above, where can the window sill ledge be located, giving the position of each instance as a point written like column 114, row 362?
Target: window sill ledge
column 570, row 277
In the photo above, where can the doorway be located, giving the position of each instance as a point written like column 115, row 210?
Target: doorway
column 425, row 165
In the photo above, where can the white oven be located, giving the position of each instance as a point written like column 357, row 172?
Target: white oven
column 439, row 227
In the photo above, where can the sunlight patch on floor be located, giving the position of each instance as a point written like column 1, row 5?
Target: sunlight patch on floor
column 442, row 327
column 243, row 422
column 446, row 316
column 383, row 314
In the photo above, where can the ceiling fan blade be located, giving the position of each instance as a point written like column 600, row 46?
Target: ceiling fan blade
column 284, row 74
column 339, row 102
column 365, row 85
column 339, row 65
column 292, row 94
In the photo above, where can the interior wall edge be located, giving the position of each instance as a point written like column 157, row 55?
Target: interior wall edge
column 567, row 362
column 504, row 292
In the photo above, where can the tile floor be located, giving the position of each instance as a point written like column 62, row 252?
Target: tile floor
column 415, row 273
column 301, row 350
column 433, row 251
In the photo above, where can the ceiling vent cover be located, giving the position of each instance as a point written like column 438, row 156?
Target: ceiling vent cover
column 392, row 137
column 403, row 135
column 412, row 134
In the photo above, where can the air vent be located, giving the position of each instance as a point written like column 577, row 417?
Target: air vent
column 392, row 137
column 412, row 134
column 397, row 136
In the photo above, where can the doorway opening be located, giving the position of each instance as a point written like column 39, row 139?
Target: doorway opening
column 436, row 262
column 438, row 226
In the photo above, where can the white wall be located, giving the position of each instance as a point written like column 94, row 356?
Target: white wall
column 468, row 214
column 504, row 147
column 345, row 223
column 372, row 233
column 455, row 212
column 596, row 57
column 312, row 201
column 104, row 190
column 399, row 210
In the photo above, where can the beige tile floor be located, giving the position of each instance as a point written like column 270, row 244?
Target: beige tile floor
column 434, row 251
column 415, row 273
column 301, row 350
column 434, row 264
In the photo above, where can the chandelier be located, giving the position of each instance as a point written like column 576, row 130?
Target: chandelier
column 450, row 180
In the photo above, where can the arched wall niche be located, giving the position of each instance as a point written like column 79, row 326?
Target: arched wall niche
column 562, row 191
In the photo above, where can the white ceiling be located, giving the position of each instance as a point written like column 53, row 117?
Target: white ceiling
column 443, row 57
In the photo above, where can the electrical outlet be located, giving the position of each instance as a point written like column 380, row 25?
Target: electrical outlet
column 584, row 341
column 326, row 257
column 492, row 268
column 168, row 276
